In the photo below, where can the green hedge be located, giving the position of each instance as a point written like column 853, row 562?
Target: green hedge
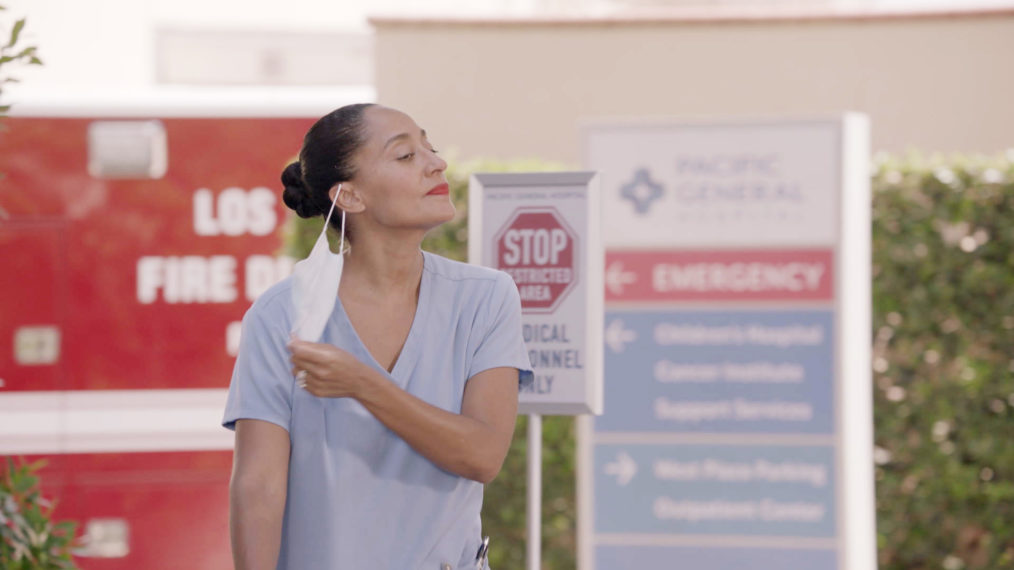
column 943, row 313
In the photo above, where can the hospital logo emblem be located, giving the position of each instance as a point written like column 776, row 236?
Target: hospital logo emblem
column 642, row 191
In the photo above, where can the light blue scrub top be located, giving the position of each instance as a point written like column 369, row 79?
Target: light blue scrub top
column 358, row 495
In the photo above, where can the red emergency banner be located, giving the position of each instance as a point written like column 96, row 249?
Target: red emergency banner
column 742, row 275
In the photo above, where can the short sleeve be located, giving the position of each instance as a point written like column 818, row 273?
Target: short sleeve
column 262, row 382
column 502, row 343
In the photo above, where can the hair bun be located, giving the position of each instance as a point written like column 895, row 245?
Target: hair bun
column 296, row 195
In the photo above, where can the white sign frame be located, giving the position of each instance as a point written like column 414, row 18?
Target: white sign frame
column 494, row 198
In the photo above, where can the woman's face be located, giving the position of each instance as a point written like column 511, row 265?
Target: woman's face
column 399, row 178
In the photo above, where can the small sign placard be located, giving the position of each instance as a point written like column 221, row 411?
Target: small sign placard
column 543, row 229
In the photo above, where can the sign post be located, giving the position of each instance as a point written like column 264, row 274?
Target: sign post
column 543, row 229
column 738, row 429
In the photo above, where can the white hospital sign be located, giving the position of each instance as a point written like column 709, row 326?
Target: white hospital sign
column 543, row 230
column 737, row 431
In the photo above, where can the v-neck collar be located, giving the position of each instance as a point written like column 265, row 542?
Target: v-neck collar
column 408, row 354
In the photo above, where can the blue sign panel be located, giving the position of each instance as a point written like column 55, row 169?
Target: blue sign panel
column 735, row 558
column 732, row 371
column 748, row 490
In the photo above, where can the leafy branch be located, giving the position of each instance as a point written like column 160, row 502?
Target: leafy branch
column 13, row 53
column 29, row 538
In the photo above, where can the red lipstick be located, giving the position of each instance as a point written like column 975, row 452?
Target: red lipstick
column 440, row 190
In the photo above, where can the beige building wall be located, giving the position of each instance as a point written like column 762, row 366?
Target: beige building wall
column 520, row 88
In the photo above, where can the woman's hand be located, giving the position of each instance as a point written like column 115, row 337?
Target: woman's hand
column 327, row 371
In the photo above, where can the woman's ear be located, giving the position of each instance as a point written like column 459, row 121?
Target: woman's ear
column 348, row 199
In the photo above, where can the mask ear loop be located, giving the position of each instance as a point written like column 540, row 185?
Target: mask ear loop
column 341, row 243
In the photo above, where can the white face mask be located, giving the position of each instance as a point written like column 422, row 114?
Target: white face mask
column 315, row 283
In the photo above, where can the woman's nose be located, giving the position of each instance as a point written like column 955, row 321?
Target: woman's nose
column 437, row 163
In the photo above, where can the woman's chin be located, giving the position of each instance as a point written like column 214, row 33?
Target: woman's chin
column 445, row 214
column 426, row 218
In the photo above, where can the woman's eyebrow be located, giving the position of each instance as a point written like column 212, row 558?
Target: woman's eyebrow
column 402, row 136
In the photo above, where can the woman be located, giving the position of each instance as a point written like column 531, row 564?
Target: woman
column 377, row 455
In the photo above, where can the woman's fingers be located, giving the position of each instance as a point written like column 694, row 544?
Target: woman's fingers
column 322, row 369
column 303, row 357
column 309, row 349
column 312, row 353
column 316, row 357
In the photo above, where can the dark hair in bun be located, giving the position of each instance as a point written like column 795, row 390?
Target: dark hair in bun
column 325, row 160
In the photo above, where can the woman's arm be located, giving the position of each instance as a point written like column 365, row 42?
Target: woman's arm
column 471, row 444
column 260, row 472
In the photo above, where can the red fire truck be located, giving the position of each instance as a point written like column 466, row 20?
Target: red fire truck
column 135, row 230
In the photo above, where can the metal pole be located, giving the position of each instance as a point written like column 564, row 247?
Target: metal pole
column 534, row 511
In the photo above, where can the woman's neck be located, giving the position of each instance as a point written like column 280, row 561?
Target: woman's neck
column 383, row 266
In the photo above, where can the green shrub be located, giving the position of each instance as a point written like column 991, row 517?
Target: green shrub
column 943, row 289
column 29, row 539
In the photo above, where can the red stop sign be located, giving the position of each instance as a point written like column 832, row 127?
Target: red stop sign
column 536, row 248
